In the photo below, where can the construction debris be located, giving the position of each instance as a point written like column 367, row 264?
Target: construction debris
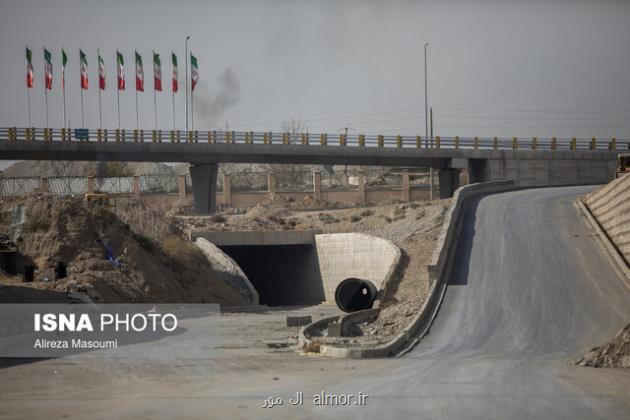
column 615, row 353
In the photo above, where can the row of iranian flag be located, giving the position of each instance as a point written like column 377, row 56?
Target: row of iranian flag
column 120, row 62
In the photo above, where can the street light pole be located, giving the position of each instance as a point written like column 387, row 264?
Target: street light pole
column 426, row 121
column 426, row 100
column 186, row 75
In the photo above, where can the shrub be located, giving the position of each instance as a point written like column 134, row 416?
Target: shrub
column 355, row 218
column 182, row 255
column 327, row 218
column 366, row 213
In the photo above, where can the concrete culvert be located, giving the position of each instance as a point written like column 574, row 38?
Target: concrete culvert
column 354, row 294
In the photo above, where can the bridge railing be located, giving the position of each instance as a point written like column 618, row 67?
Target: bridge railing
column 308, row 139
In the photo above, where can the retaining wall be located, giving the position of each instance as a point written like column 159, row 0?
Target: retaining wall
column 343, row 255
column 610, row 206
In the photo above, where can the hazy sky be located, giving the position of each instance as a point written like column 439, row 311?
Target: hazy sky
column 504, row 68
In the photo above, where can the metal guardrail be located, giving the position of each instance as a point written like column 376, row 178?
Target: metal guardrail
column 307, row 139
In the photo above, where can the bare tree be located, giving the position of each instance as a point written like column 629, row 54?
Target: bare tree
column 63, row 170
column 295, row 127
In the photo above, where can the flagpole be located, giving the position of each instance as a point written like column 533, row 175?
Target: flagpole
column 117, row 90
column 45, row 91
column 137, row 119
column 81, row 89
column 173, row 110
column 154, row 93
column 28, row 105
column 63, row 95
column 100, row 112
column 186, row 103
column 192, row 111
column 118, row 105
column 46, row 104
column 82, row 119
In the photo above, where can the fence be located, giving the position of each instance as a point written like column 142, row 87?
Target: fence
column 242, row 189
column 308, row 139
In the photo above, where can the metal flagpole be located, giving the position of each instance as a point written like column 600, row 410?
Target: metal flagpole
column 63, row 95
column 28, row 105
column 137, row 119
column 45, row 92
column 186, row 75
column 100, row 112
column 173, row 110
column 118, row 103
column 192, row 110
column 82, row 119
column 154, row 92
column 117, row 89
column 46, row 104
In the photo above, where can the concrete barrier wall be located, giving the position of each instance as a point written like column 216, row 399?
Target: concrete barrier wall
column 610, row 206
column 343, row 255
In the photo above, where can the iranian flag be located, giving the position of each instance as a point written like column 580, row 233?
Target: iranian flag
column 139, row 73
column 120, row 70
column 101, row 72
column 194, row 72
column 29, row 68
column 64, row 60
column 157, row 72
column 48, row 69
column 174, row 61
column 84, row 74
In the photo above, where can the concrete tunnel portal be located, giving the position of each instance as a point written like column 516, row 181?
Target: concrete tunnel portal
column 283, row 275
column 299, row 267
column 282, row 266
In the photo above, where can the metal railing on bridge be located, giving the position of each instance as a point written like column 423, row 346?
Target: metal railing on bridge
column 308, row 139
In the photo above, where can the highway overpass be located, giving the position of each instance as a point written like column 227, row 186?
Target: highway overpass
column 530, row 162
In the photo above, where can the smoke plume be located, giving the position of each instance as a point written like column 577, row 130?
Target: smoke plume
column 211, row 104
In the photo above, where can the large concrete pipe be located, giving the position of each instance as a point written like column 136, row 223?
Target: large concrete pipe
column 354, row 294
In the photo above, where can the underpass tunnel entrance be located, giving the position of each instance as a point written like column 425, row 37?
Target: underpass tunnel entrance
column 283, row 275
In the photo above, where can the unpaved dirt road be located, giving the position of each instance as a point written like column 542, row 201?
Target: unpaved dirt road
column 530, row 290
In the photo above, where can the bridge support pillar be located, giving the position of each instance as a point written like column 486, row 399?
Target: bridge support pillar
column 204, row 185
column 449, row 182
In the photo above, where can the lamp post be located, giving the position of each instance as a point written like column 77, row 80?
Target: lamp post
column 186, row 104
column 426, row 120
column 426, row 100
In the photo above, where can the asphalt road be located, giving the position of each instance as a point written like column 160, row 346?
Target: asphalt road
column 530, row 289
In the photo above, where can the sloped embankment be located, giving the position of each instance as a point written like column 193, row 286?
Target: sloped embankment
column 106, row 258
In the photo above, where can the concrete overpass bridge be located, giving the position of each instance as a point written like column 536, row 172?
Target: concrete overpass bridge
column 530, row 162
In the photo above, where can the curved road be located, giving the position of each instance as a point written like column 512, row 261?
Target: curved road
column 530, row 289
